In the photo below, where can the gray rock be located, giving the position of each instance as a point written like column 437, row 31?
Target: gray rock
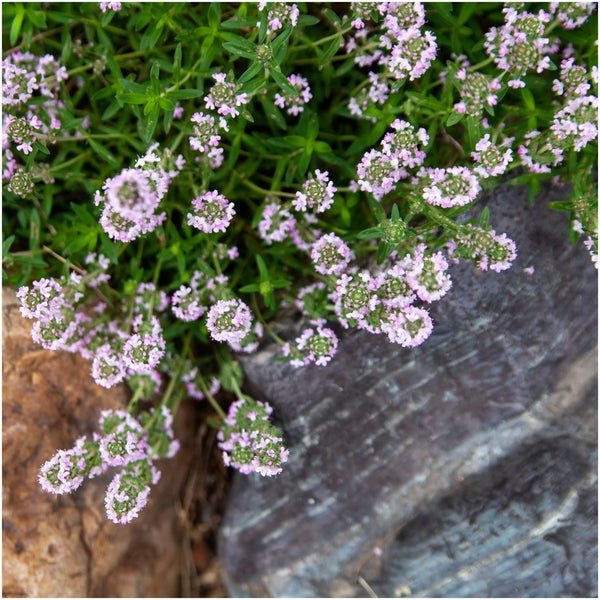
column 464, row 467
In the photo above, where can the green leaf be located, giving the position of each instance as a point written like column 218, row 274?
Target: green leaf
column 454, row 118
column 281, row 41
column 214, row 16
column 151, row 123
column 307, row 20
column 133, row 98
column 383, row 251
column 15, row 27
column 251, row 287
column 262, row 267
column 322, row 147
column 166, row 104
column 239, row 49
column 132, row 86
column 304, row 161
column 154, row 78
column 296, row 141
column 177, row 63
column 331, row 51
column 280, row 79
column 6, row 244
column 332, row 16
column 485, row 218
column 111, row 110
column 528, row 98
column 102, row 152
column 185, row 94
column 254, row 69
column 239, row 23
column 370, row 233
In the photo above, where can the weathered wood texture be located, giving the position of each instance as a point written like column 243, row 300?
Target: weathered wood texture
column 64, row 546
column 464, row 467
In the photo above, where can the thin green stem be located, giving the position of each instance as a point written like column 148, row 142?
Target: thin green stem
column 267, row 327
column 483, row 63
column 68, row 163
column 191, row 72
column 260, row 190
column 134, row 400
column 322, row 41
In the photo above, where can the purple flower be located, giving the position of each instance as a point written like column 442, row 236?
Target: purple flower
column 572, row 14
column 427, row 274
column 276, row 223
column 411, row 54
column 229, row 321
column 224, row 96
column 401, row 145
column 145, row 348
column 128, row 492
column 317, row 193
column 492, row 160
column 294, row 102
column 378, row 173
column 316, row 344
column 212, row 212
column 249, row 442
column 280, row 14
column 408, row 326
column 206, row 132
column 123, row 439
column 108, row 367
column 331, row 255
column 67, row 469
column 454, row 186
column 185, row 304
column 519, row 45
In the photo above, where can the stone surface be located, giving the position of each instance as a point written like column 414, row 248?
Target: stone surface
column 464, row 467
column 64, row 546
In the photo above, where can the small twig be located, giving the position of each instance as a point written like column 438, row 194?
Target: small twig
column 64, row 260
column 366, row 587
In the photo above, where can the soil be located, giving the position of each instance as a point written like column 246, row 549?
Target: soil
column 203, row 500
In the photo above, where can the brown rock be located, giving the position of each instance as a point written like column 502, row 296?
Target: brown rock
column 64, row 546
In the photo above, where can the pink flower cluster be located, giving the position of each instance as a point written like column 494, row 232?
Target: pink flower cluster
column 402, row 50
column 276, row 224
column 294, row 103
column 476, row 92
column 60, row 323
column 492, row 160
column 229, row 321
column 331, row 255
column 225, row 97
column 31, row 110
column 380, row 170
column 280, row 14
column 385, row 302
column 114, row 6
column 207, row 136
column 317, row 193
column 486, row 249
column 572, row 14
column 454, row 186
column 519, row 45
column 130, row 200
column 249, row 442
column 122, row 442
column 212, row 212
column 317, row 344
column 573, row 80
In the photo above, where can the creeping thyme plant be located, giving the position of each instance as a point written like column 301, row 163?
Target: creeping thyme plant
column 175, row 175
